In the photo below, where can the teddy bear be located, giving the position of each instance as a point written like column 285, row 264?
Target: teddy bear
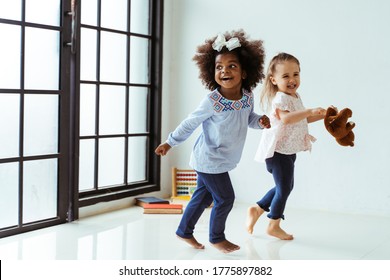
column 337, row 124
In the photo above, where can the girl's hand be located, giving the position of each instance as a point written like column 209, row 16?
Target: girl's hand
column 162, row 149
column 264, row 122
column 318, row 112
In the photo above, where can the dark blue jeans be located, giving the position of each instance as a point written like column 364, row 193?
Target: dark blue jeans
column 210, row 187
column 282, row 169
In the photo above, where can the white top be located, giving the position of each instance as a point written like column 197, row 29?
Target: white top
column 284, row 138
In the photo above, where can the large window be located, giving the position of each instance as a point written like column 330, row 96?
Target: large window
column 118, row 102
column 80, row 84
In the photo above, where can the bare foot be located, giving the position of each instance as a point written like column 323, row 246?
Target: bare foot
column 226, row 246
column 254, row 212
column 275, row 230
column 192, row 242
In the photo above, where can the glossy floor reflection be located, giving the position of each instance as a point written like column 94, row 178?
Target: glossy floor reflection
column 129, row 234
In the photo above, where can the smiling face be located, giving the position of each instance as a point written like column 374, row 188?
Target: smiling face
column 229, row 75
column 287, row 77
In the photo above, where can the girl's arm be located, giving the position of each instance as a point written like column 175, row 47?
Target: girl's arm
column 316, row 118
column 311, row 115
column 162, row 149
column 258, row 121
column 187, row 126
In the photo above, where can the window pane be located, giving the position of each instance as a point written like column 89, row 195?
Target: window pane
column 137, row 159
column 111, row 161
column 10, row 56
column 113, row 57
column 89, row 12
column 42, row 59
column 40, row 190
column 10, row 9
column 9, row 205
column 139, row 60
column 88, row 54
column 114, row 14
column 87, row 109
column 43, row 11
column 86, row 164
column 138, row 109
column 41, row 124
column 9, row 124
column 140, row 17
column 112, row 109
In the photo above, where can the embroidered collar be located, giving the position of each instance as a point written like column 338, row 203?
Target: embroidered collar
column 221, row 104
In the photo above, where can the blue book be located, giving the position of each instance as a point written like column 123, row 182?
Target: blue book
column 141, row 201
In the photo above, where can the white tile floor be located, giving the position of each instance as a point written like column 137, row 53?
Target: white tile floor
column 128, row 234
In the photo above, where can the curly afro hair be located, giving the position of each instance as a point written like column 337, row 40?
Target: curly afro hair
column 251, row 56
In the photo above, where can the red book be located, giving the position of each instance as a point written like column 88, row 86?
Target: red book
column 163, row 206
column 163, row 209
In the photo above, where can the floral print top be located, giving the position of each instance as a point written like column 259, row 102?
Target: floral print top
column 284, row 138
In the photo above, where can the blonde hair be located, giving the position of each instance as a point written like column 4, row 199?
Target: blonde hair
column 269, row 90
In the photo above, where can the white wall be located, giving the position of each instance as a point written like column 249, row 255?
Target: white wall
column 343, row 47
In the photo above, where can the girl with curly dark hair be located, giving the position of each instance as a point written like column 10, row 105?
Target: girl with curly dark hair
column 230, row 66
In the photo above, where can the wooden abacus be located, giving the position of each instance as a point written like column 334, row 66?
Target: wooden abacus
column 183, row 183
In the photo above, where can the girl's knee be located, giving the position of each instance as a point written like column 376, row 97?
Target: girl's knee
column 229, row 200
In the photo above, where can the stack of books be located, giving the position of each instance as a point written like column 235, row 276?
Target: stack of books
column 155, row 205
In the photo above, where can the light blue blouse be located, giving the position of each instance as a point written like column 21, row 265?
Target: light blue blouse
column 225, row 123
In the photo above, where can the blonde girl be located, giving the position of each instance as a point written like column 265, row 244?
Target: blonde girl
column 287, row 136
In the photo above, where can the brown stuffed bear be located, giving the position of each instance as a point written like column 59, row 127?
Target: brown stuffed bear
column 338, row 126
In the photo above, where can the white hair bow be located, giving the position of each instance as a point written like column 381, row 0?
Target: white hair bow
column 220, row 42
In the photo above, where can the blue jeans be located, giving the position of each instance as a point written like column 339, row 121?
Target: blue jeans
column 282, row 169
column 210, row 187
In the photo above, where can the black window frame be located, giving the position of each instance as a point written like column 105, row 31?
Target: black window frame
column 69, row 200
column 63, row 91
column 152, row 182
